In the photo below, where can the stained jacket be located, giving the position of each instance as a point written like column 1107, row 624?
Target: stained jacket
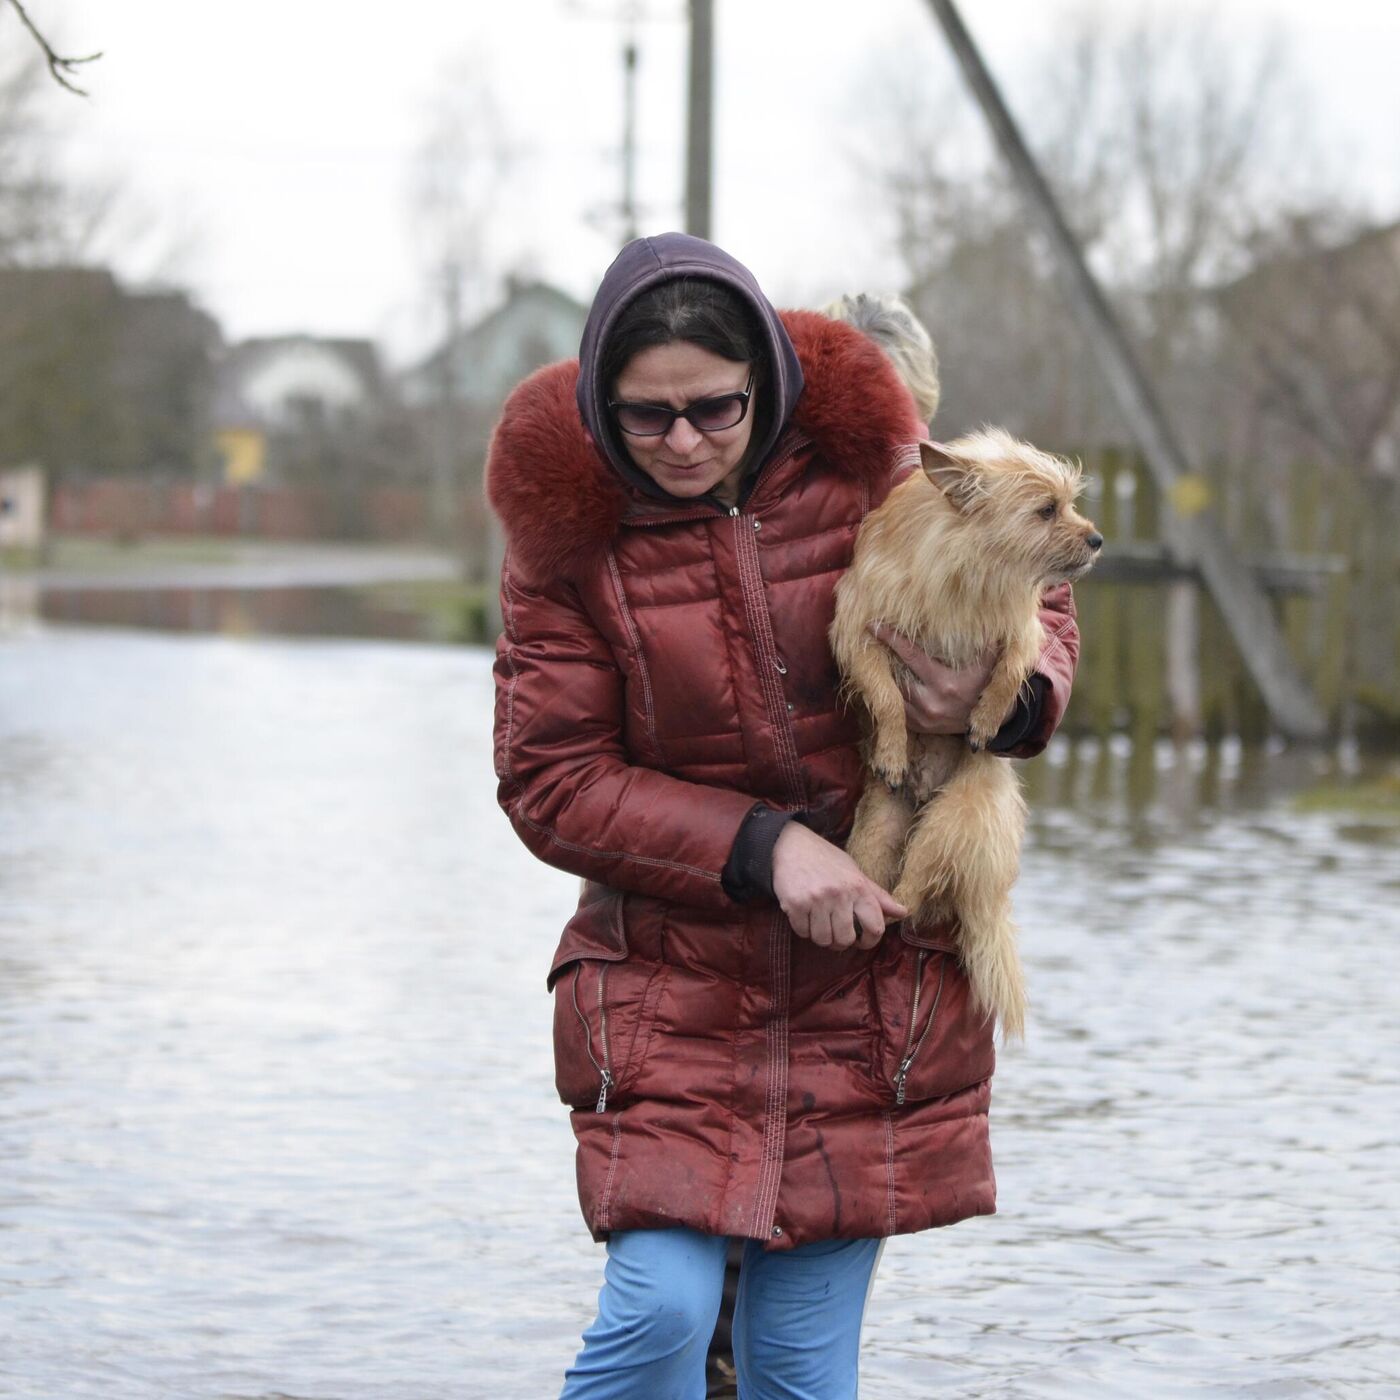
column 664, row 666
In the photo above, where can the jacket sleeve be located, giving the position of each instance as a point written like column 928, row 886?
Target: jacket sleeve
column 565, row 780
column 1054, row 671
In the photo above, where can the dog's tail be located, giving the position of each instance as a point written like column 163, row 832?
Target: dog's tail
column 965, row 850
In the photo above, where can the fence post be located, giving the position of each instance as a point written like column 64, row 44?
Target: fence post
column 1183, row 658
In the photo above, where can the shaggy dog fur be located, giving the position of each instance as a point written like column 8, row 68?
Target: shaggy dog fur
column 956, row 559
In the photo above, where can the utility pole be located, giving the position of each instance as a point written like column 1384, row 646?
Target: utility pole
column 1194, row 538
column 629, row 137
column 442, row 496
column 700, row 119
column 620, row 215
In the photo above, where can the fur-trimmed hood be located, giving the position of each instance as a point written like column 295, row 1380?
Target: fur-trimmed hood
column 561, row 502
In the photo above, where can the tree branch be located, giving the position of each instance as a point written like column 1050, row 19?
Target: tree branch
column 59, row 67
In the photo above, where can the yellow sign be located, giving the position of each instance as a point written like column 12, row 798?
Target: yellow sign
column 1190, row 495
column 244, row 452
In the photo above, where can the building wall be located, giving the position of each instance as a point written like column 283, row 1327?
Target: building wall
column 21, row 508
column 530, row 333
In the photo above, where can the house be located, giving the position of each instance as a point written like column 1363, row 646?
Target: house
column 454, row 398
column 276, row 393
column 1316, row 328
column 535, row 325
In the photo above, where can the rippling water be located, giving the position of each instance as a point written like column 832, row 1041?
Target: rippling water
column 276, row 1112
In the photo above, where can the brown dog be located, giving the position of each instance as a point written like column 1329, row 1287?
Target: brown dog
column 956, row 559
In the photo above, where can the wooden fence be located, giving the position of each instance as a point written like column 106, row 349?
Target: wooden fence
column 119, row 506
column 1338, row 592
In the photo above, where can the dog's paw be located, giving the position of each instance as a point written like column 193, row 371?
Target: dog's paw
column 891, row 774
column 980, row 733
column 930, row 910
column 888, row 757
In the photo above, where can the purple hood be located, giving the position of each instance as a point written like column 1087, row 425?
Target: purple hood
column 641, row 265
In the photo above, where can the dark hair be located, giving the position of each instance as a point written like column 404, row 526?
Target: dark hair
column 702, row 312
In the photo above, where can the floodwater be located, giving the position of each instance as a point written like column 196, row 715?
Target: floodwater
column 276, row 1111
column 281, row 587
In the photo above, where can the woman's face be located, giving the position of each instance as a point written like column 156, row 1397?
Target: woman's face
column 685, row 461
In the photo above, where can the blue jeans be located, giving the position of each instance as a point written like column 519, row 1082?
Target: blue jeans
column 796, row 1322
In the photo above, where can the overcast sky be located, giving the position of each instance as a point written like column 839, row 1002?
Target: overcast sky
column 265, row 147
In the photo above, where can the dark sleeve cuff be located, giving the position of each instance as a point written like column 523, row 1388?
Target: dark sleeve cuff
column 1025, row 718
column 748, row 873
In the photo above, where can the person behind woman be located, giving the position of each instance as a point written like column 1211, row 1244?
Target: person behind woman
column 754, row 1040
column 890, row 322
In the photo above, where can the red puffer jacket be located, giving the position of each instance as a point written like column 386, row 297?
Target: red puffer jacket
column 663, row 666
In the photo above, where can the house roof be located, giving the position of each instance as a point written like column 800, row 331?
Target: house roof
column 361, row 355
column 1329, row 256
column 239, row 402
column 535, row 323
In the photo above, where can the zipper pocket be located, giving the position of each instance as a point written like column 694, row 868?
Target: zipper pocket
column 605, row 1077
column 912, row 1048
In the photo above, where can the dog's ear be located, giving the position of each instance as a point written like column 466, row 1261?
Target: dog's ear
column 956, row 477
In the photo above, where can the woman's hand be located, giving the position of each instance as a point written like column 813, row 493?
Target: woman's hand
column 938, row 699
column 825, row 894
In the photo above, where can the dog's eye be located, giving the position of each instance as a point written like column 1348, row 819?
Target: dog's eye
column 1048, row 512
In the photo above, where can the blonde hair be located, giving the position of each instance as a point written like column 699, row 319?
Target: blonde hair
column 890, row 322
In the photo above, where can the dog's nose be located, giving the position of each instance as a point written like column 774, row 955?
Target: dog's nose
column 1094, row 541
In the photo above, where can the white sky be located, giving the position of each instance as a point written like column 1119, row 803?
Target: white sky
column 267, row 144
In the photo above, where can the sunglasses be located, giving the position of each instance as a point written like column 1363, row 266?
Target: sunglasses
column 704, row 415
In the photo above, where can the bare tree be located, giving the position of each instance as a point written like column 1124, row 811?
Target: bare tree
column 33, row 202
column 971, row 271
column 457, row 179
column 47, row 215
column 1168, row 140
column 1174, row 137
column 61, row 69
column 1315, row 328
column 458, row 174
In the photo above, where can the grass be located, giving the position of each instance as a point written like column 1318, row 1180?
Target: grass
column 1366, row 797
column 108, row 554
column 452, row 611
column 101, row 554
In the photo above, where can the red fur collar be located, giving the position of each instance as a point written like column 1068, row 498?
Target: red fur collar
column 561, row 503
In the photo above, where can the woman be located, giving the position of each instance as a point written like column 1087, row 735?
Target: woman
column 748, row 1051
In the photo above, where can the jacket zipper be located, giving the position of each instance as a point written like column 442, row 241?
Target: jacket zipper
column 774, row 1125
column 604, row 1070
column 911, row 1050
column 766, row 653
column 769, row 661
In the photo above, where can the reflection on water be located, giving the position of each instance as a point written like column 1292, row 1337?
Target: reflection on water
column 310, row 612
column 276, row 1109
